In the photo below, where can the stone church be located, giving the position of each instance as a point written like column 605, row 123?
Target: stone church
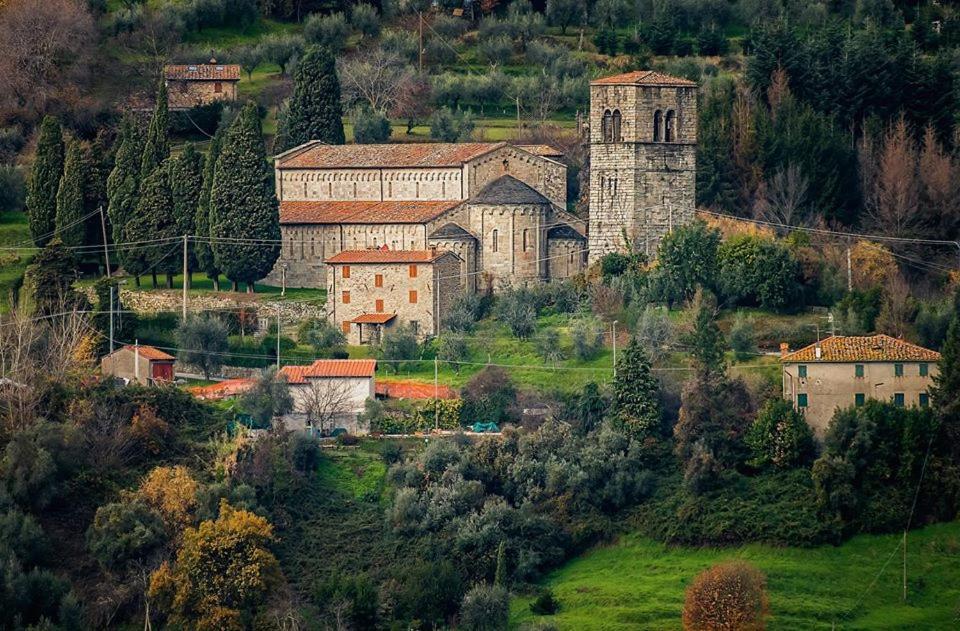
column 500, row 207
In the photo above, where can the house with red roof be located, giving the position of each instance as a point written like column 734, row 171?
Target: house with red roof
column 146, row 365
column 329, row 394
column 842, row 371
column 192, row 85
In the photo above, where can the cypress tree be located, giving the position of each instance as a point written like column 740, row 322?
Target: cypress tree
column 314, row 111
column 123, row 186
column 99, row 162
column 186, row 182
column 202, row 249
column 243, row 204
column 156, row 149
column 44, row 182
column 153, row 220
column 70, row 196
column 636, row 392
column 49, row 279
column 706, row 339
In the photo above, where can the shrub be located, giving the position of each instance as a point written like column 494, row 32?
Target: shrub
column 202, row 342
column 13, row 188
column 548, row 346
column 124, row 532
column 687, row 257
column 453, row 348
column 517, row 310
column 758, row 271
column 447, row 126
column 742, row 338
column 780, row 437
column 496, row 50
column 731, row 595
column 487, row 396
column 587, row 335
column 331, row 30
column 324, row 337
column 369, row 126
column 364, row 18
column 485, row 608
column 544, row 604
column 347, row 440
column 397, row 345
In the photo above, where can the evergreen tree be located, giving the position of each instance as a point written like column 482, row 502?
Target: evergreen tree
column 314, row 111
column 49, row 279
column 706, row 339
column 156, row 149
column 44, row 182
column 946, row 391
column 186, row 184
column 153, row 220
column 636, row 391
column 243, row 204
column 123, row 186
column 500, row 575
column 202, row 249
column 70, row 229
column 98, row 159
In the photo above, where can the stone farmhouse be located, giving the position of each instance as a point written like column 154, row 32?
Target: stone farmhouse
column 329, row 394
column 369, row 291
column 145, row 365
column 200, row 84
column 842, row 371
column 500, row 208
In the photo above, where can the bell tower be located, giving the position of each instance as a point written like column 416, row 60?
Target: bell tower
column 643, row 154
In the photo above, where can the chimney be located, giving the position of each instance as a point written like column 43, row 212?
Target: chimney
column 213, row 60
column 817, row 351
column 784, row 349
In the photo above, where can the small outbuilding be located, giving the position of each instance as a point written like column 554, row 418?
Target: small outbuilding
column 145, row 365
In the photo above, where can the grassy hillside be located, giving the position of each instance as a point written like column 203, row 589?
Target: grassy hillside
column 13, row 232
column 639, row 584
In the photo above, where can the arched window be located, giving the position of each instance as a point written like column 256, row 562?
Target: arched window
column 657, row 124
column 496, row 239
column 668, row 128
column 617, row 119
column 526, row 239
column 607, row 126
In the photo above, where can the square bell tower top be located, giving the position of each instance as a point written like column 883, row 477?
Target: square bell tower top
column 643, row 106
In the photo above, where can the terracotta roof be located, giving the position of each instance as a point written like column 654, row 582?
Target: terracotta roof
column 325, row 368
column 359, row 257
column 374, row 318
column 151, row 353
column 222, row 389
column 547, row 151
column 451, row 231
column 563, row 231
column 872, row 348
column 203, row 72
column 358, row 212
column 507, row 189
column 644, row 77
column 401, row 155
column 412, row 389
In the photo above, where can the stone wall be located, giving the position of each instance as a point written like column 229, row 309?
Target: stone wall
column 565, row 258
column 369, row 184
column 549, row 177
column 187, row 94
column 160, row 301
column 512, row 241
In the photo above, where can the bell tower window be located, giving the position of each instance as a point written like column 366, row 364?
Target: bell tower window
column 607, row 126
column 617, row 120
column 668, row 128
column 657, row 124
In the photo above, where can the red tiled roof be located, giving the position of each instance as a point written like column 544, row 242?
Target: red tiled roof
column 385, row 256
column 374, row 318
column 644, row 77
column 358, row 212
column 203, row 72
column 411, row 389
column 547, row 151
column 151, row 353
column 872, row 348
column 223, row 389
column 402, row 155
column 323, row 368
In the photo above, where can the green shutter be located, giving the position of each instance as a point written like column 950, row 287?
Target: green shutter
column 802, row 400
column 802, row 371
column 898, row 370
column 924, row 370
column 859, row 399
column 858, row 370
column 924, row 400
column 898, row 399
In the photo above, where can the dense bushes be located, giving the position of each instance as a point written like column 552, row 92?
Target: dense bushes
column 731, row 595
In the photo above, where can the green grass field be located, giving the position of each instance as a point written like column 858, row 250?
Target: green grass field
column 639, row 584
column 13, row 232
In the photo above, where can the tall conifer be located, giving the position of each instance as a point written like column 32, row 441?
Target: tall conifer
column 153, row 219
column 45, row 181
column 202, row 248
column 314, row 111
column 156, row 149
column 637, row 400
column 243, row 204
column 123, row 186
column 70, row 228
column 186, row 183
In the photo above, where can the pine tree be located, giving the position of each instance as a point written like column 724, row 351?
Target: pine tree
column 156, row 149
column 202, row 249
column 44, row 182
column 314, row 111
column 636, row 392
column 153, row 220
column 186, row 183
column 69, row 226
column 123, row 186
column 243, row 204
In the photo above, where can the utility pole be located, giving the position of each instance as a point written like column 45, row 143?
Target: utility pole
column 614, row 349
column 111, row 317
column 186, row 284
column 278, row 338
column 436, row 395
column 420, row 43
column 518, row 115
column 106, row 250
column 904, row 566
column 849, row 269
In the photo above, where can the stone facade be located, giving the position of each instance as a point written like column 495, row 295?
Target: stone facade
column 141, row 364
column 643, row 135
column 372, row 285
column 199, row 84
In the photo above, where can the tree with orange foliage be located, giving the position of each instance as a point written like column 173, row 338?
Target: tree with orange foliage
column 224, row 568
column 172, row 492
column 729, row 596
column 149, row 430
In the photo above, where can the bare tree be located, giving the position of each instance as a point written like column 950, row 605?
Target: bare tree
column 898, row 307
column 940, row 179
column 893, row 205
column 376, row 76
column 783, row 198
column 43, row 48
column 325, row 401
